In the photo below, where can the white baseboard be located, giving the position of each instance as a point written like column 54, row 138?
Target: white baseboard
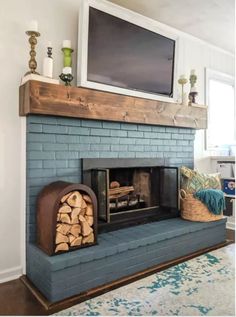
column 10, row 274
column 230, row 225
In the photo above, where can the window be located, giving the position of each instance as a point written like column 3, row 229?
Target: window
column 221, row 109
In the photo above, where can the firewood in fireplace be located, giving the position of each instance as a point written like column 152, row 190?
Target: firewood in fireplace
column 75, row 199
column 86, row 229
column 65, row 209
column 62, row 247
column 65, row 218
column 114, row 184
column 88, row 239
column 77, row 241
column 121, row 191
column 63, row 228
column 61, row 238
column 75, row 230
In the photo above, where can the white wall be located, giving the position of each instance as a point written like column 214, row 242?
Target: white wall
column 57, row 21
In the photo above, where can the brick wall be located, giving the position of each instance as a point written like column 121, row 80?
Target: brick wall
column 55, row 146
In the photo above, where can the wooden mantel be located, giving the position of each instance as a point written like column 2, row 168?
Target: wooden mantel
column 57, row 100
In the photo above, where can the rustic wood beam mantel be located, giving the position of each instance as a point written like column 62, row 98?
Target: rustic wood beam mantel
column 57, row 100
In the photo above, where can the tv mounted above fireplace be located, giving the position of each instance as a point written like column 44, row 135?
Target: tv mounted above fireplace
column 124, row 52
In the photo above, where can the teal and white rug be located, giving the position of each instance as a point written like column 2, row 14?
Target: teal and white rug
column 201, row 286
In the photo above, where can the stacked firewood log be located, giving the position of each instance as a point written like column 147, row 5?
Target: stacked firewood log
column 74, row 221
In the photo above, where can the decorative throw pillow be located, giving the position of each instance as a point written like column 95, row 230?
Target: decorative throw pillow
column 192, row 181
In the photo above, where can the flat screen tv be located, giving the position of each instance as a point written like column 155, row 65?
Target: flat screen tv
column 122, row 56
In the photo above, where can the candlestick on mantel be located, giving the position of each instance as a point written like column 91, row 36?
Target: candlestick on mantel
column 66, row 74
column 48, row 62
column 33, row 34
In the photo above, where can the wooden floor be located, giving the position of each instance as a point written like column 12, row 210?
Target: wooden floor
column 16, row 299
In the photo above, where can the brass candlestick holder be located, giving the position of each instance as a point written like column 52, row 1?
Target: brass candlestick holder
column 33, row 42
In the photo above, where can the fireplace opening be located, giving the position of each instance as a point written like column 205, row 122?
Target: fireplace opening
column 132, row 192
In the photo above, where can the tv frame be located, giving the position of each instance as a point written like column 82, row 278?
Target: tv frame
column 132, row 17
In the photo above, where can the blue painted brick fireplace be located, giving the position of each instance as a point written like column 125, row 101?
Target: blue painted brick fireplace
column 55, row 146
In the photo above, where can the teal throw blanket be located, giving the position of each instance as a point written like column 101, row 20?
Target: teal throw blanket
column 213, row 198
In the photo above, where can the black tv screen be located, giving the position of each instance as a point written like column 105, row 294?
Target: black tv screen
column 128, row 56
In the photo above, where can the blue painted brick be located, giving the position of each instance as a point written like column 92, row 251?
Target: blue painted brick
column 40, row 155
column 79, row 147
column 164, row 136
column 111, row 125
column 67, row 171
column 129, row 126
column 182, row 142
column 60, row 155
column 100, row 147
column 34, row 147
column 188, row 137
column 79, row 131
column 69, row 122
column 156, row 142
column 177, row 136
column 74, row 163
column 158, row 129
column 142, row 141
column 117, row 148
column 126, row 141
column 150, row 135
column 136, row 134
column 126, row 154
column 109, row 140
column 151, row 148
column 94, row 154
column 102, row 132
column 34, row 173
column 55, row 147
column 55, row 129
column 89, row 139
column 45, row 138
column 35, row 127
column 119, row 133
column 91, row 124
column 67, row 139
column 172, row 130
column 136, row 148
column 108, row 154
column 55, row 164
column 145, row 128
column 35, row 164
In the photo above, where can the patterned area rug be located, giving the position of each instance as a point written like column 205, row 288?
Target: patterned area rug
column 198, row 287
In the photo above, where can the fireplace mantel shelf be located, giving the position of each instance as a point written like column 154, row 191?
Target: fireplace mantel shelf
column 50, row 99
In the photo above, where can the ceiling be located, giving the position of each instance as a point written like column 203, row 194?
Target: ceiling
column 209, row 20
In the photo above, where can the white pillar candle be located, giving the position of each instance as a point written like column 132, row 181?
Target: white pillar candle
column 182, row 76
column 67, row 70
column 48, row 67
column 66, row 44
column 33, row 26
column 49, row 44
column 192, row 72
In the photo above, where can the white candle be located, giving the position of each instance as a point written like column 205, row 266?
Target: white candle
column 48, row 67
column 182, row 76
column 192, row 72
column 66, row 44
column 49, row 44
column 33, row 26
column 67, row 70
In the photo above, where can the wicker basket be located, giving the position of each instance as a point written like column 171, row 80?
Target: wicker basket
column 194, row 210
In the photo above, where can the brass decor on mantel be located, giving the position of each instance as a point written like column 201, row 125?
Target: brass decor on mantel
column 58, row 100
